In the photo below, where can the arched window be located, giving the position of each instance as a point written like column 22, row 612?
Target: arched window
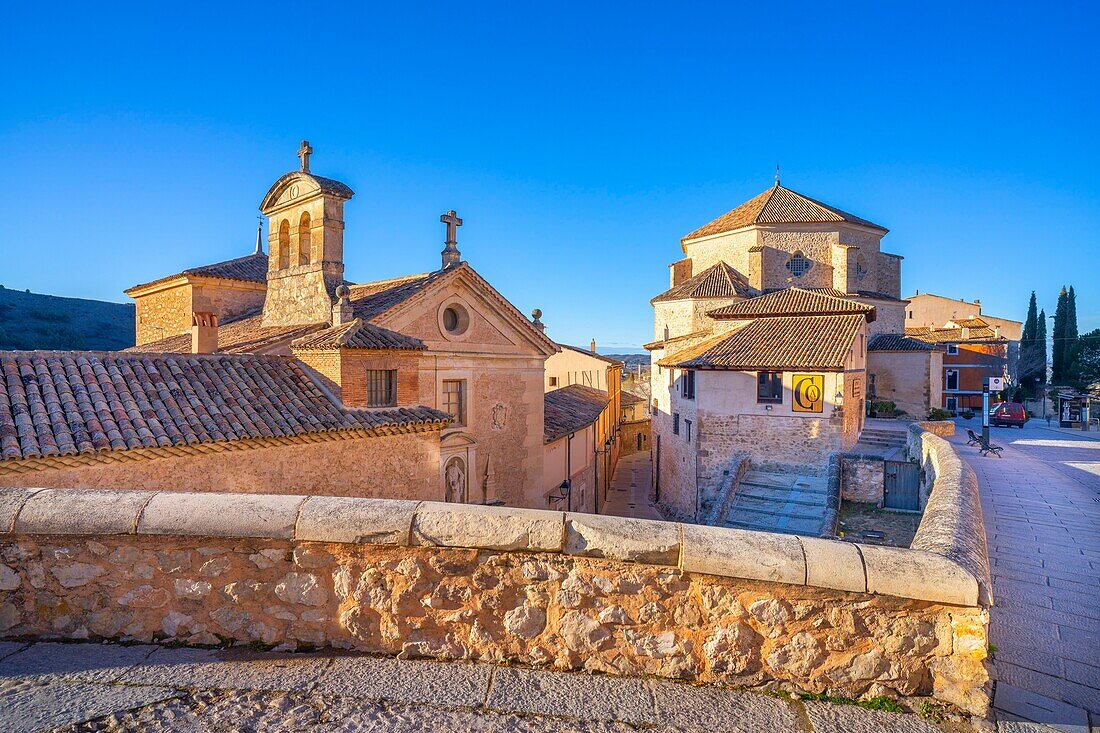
column 284, row 245
column 799, row 265
column 305, row 242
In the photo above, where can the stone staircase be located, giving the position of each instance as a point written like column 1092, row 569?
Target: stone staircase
column 881, row 438
column 775, row 502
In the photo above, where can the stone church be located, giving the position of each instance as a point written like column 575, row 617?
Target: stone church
column 760, row 355
column 425, row 386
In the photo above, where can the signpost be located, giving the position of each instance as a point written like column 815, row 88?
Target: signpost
column 985, row 409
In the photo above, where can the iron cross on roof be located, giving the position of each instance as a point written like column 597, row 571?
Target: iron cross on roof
column 304, row 151
column 453, row 223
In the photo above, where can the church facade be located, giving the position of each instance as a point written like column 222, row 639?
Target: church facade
column 760, row 350
column 439, row 357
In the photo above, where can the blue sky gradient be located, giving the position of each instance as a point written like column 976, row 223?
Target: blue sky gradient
column 578, row 143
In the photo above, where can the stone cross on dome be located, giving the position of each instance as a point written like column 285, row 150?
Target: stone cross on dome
column 304, row 151
column 451, row 255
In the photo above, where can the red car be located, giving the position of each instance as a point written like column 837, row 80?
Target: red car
column 1008, row 414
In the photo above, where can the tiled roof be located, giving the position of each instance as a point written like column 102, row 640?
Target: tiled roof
column 76, row 403
column 629, row 398
column 953, row 335
column 975, row 322
column 792, row 302
column 778, row 205
column 717, row 281
column 654, row 345
column 570, row 409
column 594, row 355
column 898, row 342
column 243, row 334
column 805, row 342
column 252, row 268
column 246, row 333
column 358, row 334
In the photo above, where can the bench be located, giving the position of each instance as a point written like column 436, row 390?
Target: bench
column 974, row 438
column 988, row 448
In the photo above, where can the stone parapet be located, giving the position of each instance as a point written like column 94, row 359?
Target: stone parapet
column 573, row 591
column 940, row 567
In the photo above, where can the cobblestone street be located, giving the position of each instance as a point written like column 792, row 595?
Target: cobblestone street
column 145, row 688
column 1041, row 503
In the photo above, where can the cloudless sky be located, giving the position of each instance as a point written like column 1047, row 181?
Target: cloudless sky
column 578, row 141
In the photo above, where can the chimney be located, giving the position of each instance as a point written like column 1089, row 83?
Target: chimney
column 536, row 314
column 341, row 310
column 996, row 332
column 966, row 333
column 592, row 346
column 204, row 333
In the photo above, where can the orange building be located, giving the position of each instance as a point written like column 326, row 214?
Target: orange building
column 973, row 351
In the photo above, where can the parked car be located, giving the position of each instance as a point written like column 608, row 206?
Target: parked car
column 1008, row 414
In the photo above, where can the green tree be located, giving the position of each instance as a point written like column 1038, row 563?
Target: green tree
column 1041, row 344
column 1072, row 348
column 1058, row 351
column 1032, row 357
column 1088, row 360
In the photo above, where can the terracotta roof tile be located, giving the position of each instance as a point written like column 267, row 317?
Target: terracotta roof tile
column 778, row 205
column 898, row 342
column 792, row 302
column 358, row 334
column 782, row 343
column 252, row 268
column 73, row 402
column 717, row 281
column 953, row 335
column 570, row 409
column 629, row 398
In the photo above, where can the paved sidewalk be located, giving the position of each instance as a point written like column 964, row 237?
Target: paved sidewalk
column 103, row 687
column 630, row 493
column 1041, row 503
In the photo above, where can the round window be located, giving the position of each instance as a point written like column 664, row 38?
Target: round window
column 455, row 319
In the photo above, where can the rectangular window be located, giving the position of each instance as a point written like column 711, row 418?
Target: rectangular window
column 454, row 399
column 952, row 349
column 952, row 380
column 553, row 381
column 687, row 385
column 769, row 387
column 671, row 377
column 675, row 423
column 952, row 404
column 687, row 430
column 381, row 387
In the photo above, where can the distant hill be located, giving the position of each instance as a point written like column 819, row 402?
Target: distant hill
column 49, row 322
column 630, row 360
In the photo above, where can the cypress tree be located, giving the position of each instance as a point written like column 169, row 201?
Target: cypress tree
column 1041, row 344
column 1029, row 348
column 1071, row 349
column 1058, row 351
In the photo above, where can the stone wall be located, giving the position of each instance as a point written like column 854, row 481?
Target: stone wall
column 906, row 379
column 630, row 435
column 779, row 443
column 861, row 479
column 572, row 591
column 162, row 314
column 390, row 466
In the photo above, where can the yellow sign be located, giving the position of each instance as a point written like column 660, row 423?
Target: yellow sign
column 809, row 393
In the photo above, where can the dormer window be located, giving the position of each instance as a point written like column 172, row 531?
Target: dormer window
column 799, row 264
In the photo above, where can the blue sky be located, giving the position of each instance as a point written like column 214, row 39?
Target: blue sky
column 579, row 143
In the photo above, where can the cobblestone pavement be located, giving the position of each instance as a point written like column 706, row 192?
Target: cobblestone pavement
column 105, row 687
column 1041, row 504
column 631, row 486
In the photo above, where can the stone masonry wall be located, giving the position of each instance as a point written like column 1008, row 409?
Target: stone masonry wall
column 162, row 314
column 773, row 442
column 393, row 467
column 572, row 591
column 861, row 479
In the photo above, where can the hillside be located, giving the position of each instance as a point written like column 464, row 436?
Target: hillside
column 33, row 321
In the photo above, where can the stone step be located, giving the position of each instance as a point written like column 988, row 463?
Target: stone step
column 769, row 492
column 781, row 525
column 783, row 508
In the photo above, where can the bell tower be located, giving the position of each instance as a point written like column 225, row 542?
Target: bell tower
column 305, row 245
